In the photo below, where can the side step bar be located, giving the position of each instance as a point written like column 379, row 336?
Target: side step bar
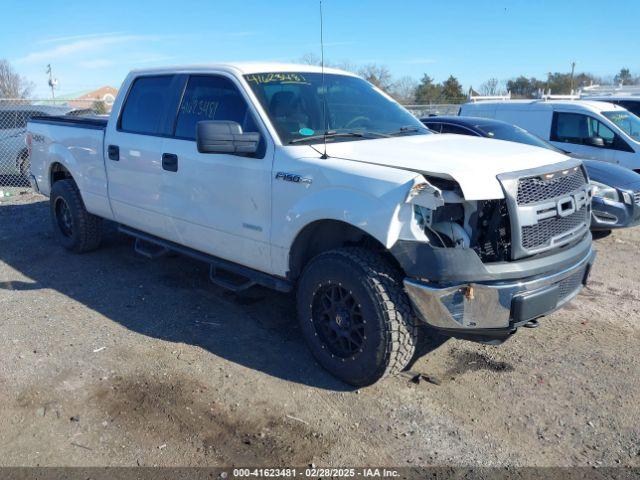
column 222, row 272
column 149, row 250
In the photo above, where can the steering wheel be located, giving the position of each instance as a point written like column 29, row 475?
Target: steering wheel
column 354, row 121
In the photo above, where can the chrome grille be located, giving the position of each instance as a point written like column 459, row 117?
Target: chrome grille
column 548, row 209
column 536, row 189
column 540, row 234
column 636, row 198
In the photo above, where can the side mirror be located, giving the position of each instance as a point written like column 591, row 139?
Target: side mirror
column 222, row 136
column 594, row 141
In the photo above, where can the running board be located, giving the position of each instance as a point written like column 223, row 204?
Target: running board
column 223, row 273
column 149, row 249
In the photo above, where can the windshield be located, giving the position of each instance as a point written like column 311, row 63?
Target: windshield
column 511, row 133
column 294, row 104
column 627, row 121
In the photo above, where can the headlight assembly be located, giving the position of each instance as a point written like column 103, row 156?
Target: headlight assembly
column 605, row 191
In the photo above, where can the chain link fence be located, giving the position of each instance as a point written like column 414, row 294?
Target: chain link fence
column 14, row 115
column 422, row 111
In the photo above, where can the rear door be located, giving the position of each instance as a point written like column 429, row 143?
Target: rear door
column 218, row 203
column 133, row 152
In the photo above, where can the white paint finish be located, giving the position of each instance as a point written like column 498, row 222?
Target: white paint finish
column 135, row 180
column 80, row 151
column 363, row 195
column 235, row 208
column 213, row 201
column 471, row 161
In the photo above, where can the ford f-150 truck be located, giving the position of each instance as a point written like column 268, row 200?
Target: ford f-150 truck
column 316, row 181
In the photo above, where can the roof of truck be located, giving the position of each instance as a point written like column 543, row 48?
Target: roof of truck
column 244, row 68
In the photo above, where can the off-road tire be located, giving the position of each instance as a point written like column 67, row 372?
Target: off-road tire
column 23, row 164
column 390, row 327
column 85, row 231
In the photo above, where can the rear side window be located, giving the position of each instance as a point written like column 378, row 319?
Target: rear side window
column 144, row 108
column 211, row 97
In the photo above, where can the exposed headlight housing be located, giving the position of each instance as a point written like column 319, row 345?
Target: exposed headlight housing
column 605, row 191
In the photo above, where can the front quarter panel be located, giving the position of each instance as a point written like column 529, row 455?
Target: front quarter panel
column 307, row 188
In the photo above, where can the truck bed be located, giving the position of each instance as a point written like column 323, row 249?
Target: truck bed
column 93, row 121
column 78, row 144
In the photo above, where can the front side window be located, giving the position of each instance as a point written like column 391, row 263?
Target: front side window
column 582, row 130
column 300, row 107
column 209, row 97
column 144, row 108
column 627, row 122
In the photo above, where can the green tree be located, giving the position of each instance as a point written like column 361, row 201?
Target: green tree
column 452, row 91
column 427, row 91
column 523, row 87
column 623, row 77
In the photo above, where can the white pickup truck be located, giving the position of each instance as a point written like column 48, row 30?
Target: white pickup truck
column 294, row 178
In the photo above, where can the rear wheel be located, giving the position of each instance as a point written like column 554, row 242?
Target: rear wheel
column 75, row 229
column 355, row 316
column 23, row 164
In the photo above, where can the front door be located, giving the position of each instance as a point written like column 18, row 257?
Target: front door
column 218, row 203
column 584, row 135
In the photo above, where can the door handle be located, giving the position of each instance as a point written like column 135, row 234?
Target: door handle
column 170, row 162
column 114, row 152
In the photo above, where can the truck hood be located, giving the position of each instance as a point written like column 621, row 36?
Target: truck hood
column 473, row 162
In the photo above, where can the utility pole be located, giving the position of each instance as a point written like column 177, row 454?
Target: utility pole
column 52, row 81
column 573, row 69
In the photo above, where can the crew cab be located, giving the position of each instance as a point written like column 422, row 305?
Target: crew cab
column 308, row 179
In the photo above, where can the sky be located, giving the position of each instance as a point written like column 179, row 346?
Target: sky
column 91, row 44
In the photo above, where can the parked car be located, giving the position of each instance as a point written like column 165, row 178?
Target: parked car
column 596, row 130
column 13, row 125
column 294, row 177
column 616, row 197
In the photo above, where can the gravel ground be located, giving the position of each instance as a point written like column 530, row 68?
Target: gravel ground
column 112, row 359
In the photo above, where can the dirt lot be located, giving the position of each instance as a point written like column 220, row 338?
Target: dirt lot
column 112, row 359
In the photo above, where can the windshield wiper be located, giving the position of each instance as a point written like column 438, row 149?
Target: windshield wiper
column 407, row 129
column 334, row 134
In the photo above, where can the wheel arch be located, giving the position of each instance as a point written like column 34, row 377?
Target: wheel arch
column 58, row 171
column 324, row 235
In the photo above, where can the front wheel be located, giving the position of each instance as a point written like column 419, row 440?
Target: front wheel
column 355, row 315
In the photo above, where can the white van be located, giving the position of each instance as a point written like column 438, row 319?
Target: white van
column 627, row 96
column 597, row 130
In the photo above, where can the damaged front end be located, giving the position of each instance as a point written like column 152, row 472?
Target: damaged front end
column 464, row 277
column 449, row 221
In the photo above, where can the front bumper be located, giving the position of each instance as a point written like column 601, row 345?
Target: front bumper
column 492, row 311
column 607, row 214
